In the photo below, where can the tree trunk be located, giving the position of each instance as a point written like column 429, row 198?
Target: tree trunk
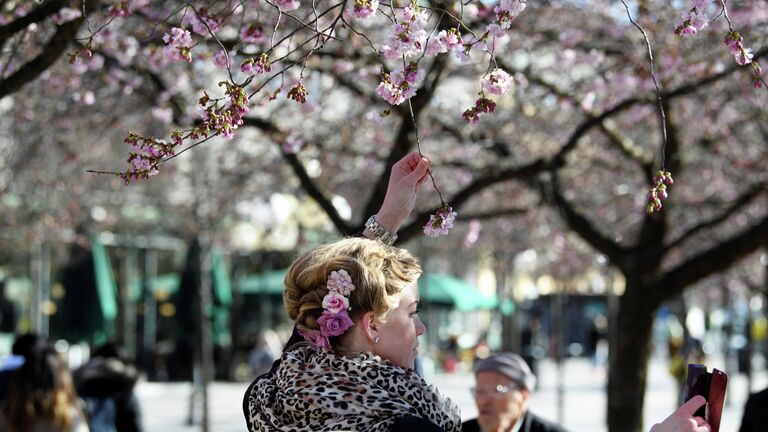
column 629, row 360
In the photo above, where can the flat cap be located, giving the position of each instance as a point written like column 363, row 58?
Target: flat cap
column 511, row 366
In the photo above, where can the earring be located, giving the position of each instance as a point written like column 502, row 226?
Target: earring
column 376, row 339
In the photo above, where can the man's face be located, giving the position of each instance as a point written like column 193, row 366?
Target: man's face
column 498, row 411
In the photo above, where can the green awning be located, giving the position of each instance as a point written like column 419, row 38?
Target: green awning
column 270, row 282
column 105, row 281
column 165, row 284
column 169, row 283
column 221, row 283
column 445, row 289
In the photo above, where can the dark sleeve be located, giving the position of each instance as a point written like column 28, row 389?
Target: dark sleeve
column 412, row 423
column 128, row 417
column 746, row 420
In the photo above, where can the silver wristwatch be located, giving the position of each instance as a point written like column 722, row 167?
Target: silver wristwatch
column 379, row 231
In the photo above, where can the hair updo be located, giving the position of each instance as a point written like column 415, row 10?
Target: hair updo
column 379, row 272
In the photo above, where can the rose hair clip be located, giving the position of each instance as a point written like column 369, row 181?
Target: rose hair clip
column 335, row 319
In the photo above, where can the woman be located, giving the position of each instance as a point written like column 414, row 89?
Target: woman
column 41, row 396
column 355, row 305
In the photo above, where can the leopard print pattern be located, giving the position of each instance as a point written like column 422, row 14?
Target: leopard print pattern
column 314, row 389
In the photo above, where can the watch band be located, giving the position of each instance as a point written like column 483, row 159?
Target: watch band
column 380, row 232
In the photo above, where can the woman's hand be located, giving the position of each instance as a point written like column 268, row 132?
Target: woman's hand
column 683, row 420
column 405, row 180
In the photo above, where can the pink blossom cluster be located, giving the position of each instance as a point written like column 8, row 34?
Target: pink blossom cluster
column 201, row 21
column 694, row 20
column 482, row 105
column 734, row 42
column 400, row 85
column 298, row 93
column 334, row 320
column 223, row 121
column 126, row 7
column 146, row 154
column 445, row 41
column 178, row 45
column 407, row 36
column 365, row 8
column 222, row 60
column 440, row 222
column 256, row 65
column 659, row 191
column 287, row 5
column 498, row 82
column 505, row 12
column 253, row 33
column 757, row 75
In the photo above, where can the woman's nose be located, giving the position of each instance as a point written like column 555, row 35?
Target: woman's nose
column 420, row 327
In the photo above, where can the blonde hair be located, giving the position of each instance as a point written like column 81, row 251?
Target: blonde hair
column 41, row 390
column 379, row 272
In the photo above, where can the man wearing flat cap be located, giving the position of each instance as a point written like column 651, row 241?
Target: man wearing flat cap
column 503, row 385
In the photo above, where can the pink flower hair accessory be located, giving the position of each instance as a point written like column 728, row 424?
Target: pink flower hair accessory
column 334, row 320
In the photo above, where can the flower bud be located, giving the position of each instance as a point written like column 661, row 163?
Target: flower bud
column 668, row 178
column 659, row 177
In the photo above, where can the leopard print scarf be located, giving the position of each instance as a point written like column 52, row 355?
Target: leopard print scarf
column 316, row 390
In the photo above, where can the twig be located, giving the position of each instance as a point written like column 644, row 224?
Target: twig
column 662, row 115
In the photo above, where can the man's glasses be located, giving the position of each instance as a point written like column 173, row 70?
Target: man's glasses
column 499, row 390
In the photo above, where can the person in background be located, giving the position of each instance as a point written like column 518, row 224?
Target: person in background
column 41, row 397
column 261, row 356
column 504, row 383
column 755, row 413
column 106, row 384
column 531, row 345
column 22, row 347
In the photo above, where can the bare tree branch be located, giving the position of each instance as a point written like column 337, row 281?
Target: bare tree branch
column 713, row 260
column 526, row 172
column 50, row 53
column 38, row 15
column 559, row 160
column 745, row 199
column 493, row 214
column 306, row 181
column 584, row 228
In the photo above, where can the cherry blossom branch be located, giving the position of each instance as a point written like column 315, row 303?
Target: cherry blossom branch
column 663, row 178
column 418, row 147
column 215, row 38
column 363, row 35
column 743, row 55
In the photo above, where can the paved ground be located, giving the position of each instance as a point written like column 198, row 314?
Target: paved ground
column 166, row 406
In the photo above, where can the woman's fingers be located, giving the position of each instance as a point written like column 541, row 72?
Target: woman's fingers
column 689, row 408
column 419, row 173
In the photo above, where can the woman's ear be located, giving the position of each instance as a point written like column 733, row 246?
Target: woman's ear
column 368, row 324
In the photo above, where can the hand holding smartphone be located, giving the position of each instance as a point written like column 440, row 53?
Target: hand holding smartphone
column 710, row 385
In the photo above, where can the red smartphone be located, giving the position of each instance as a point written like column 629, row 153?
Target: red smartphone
column 712, row 386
